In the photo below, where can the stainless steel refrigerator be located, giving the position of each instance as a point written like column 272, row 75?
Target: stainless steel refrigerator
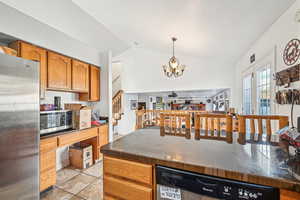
column 19, row 128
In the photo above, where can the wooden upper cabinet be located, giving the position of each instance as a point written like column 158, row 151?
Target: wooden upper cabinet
column 59, row 72
column 31, row 52
column 80, row 76
column 94, row 85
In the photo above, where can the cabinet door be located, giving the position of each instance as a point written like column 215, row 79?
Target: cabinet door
column 95, row 83
column 47, row 162
column 103, row 135
column 31, row 52
column 59, row 72
column 80, row 76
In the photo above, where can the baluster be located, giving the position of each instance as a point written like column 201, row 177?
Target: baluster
column 218, row 127
column 260, row 127
column 206, row 126
column 212, row 123
column 252, row 126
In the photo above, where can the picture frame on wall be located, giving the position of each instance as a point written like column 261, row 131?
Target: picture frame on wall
column 133, row 104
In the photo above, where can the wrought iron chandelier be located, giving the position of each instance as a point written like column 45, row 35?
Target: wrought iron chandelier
column 173, row 68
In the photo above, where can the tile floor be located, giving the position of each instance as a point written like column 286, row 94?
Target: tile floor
column 75, row 184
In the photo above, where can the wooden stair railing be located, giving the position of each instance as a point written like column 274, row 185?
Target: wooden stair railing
column 117, row 109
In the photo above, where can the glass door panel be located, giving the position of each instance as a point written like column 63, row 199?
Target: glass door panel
column 247, row 95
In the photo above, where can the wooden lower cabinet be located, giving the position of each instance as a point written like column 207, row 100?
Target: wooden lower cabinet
column 48, row 162
column 103, row 135
column 126, row 190
column 47, row 179
column 49, row 145
column 127, row 180
column 289, row 195
column 129, row 170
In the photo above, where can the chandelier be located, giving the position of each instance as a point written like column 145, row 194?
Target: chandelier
column 173, row 68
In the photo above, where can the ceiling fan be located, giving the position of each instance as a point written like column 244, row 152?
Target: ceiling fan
column 173, row 94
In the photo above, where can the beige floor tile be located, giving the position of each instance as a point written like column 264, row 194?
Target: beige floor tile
column 77, row 183
column 65, row 174
column 76, row 198
column 95, row 170
column 56, row 194
column 93, row 192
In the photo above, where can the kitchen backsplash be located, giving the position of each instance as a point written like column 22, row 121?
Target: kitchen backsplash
column 66, row 97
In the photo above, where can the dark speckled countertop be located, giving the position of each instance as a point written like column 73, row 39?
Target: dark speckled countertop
column 253, row 162
column 66, row 132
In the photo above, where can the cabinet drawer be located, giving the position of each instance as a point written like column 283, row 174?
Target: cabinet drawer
column 68, row 139
column 124, row 189
column 78, row 136
column 48, row 144
column 47, row 161
column 47, row 179
column 129, row 170
column 88, row 133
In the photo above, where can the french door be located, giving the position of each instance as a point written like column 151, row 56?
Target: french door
column 258, row 86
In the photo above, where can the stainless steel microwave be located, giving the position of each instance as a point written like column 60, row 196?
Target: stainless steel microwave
column 54, row 121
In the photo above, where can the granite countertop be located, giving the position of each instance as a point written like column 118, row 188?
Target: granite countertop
column 66, row 132
column 241, row 159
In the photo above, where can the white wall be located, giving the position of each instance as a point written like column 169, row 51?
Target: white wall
column 142, row 72
column 127, row 123
column 116, row 77
column 277, row 36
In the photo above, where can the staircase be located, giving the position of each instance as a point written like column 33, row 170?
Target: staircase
column 117, row 107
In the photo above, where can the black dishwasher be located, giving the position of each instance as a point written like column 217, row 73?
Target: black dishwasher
column 173, row 184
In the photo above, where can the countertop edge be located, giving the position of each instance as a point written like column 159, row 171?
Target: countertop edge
column 211, row 171
column 68, row 131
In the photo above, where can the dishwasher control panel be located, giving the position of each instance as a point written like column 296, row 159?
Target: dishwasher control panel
column 214, row 187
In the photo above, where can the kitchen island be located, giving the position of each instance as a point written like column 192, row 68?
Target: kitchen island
column 129, row 163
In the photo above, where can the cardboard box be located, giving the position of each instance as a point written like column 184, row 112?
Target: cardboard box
column 82, row 118
column 73, row 106
column 81, row 115
column 81, row 157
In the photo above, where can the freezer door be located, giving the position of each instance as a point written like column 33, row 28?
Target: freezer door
column 19, row 128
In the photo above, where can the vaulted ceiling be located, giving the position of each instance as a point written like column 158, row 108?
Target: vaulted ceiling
column 67, row 17
column 205, row 28
column 220, row 29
